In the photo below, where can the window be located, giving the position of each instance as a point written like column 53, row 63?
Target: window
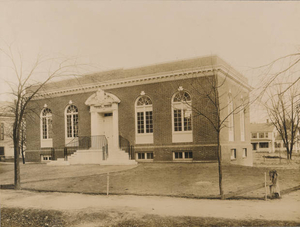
column 183, row 155
column 230, row 118
column 46, row 127
column 245, row 154
column 266, row 135
column 182, row 116
column 261, row 135
column 1, row 150
column 46, row 158
column 46, row 123
column 144, row 119
column 1, row 131
column 71, row 121
column 254, row 135
column 242, row 122
column 233, row 154
column 145, row 156
column 263, row 145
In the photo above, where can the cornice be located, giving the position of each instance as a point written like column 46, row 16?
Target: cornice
column 146, row 79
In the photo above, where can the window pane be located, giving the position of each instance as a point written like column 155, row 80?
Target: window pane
column 149, row 122
column 187, row 120
column 177, row 121
column 75, row 125
column 69, row 126
column 149, row 155
column 44, row 127
column 140, row 122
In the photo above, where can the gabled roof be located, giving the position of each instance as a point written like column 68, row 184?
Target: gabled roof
column 261, row 127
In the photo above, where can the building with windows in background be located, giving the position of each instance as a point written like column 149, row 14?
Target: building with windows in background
column 144, row 114
column 6, row 124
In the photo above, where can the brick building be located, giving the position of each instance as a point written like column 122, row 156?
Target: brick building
column 149, row 112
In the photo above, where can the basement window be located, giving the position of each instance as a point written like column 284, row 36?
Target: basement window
column 184, row 155
column 145, row 156
column 233, row 154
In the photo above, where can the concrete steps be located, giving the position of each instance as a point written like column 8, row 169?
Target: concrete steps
column 58, row 162
column 115, row 157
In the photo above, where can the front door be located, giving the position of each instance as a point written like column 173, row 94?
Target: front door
column 108, row 128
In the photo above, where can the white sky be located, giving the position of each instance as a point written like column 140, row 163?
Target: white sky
column 114, row 34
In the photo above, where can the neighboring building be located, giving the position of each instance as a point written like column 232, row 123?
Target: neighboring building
column 265, row 138
column 148, row 111
column 6, row 123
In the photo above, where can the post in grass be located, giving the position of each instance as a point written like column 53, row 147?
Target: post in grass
column 107, row 184
column 266, row 191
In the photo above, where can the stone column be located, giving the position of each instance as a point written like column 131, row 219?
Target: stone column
column 115, row 125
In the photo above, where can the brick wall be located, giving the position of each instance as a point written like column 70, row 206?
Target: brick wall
column 204, row 135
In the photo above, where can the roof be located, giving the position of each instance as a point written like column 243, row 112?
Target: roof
column 261, row 127
column 5, row 109
column 143, row 72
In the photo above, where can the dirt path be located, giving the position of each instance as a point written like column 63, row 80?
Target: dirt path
column 285, row 209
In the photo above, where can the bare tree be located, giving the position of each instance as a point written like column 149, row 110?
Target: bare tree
column 282, row 104
column 219, row 105
column 25, row 84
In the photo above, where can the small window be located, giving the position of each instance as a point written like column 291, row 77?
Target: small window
column 254, row 146
column 263, row 145
column 148, row 155
column 261, row 135
column 233, row 154
column 141, row 155
column 266, row 135
column 188, row 154
column 1, row 150
column 2, row 131
column 46, row 157
column 183, row 155
column 254, row 135
column 245, row 154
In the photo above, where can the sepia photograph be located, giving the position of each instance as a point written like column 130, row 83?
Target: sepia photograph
column 149, row 113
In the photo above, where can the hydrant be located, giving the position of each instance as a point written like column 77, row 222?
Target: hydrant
column 274, row 186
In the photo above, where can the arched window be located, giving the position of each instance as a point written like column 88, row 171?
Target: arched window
column 242, row 121
column 182, row 116
column 230, row 118
column 71, row 115
column 182, row 111
column 46, row 128
column 144, row 120
column 47, row 123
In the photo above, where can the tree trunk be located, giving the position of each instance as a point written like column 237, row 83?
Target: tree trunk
column 220, row 168
column 17, row 167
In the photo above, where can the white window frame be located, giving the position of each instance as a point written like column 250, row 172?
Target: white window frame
column 182, row 135
column 245, row 153
column 145, row 137
column 242, row 122
column 183, row 156
column 46, row 158
column 233, row 154
column 230, row 118
column 68, row 139
column 46, row 142
column 145, row 154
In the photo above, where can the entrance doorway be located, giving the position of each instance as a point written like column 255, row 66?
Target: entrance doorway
column 108, row 128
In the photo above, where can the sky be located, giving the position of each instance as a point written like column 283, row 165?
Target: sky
column 124, row 34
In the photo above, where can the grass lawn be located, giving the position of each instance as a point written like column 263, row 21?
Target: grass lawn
column 174, row 179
